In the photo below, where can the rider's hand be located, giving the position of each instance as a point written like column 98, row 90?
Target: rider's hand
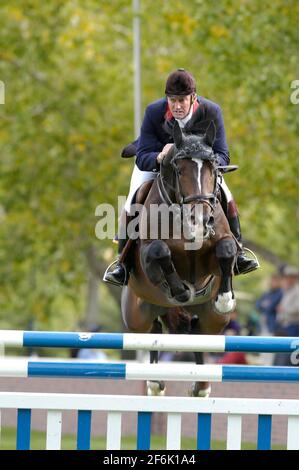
column 162, row 154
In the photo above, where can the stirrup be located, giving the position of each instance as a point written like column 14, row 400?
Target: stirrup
column 244, row 249
column 110, row 269
column 253, row 255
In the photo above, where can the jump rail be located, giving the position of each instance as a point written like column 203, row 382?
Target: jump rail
column 174, row 407
column 141, row 371
column 153, row 342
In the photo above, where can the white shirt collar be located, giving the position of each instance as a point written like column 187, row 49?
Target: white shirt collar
column 183, row 122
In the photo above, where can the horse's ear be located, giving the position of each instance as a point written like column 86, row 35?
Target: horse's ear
column 198, row 128
column 195, row 121
column 177, row 135
column 210, row 134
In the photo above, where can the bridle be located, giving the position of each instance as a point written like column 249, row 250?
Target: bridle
column 196, row 151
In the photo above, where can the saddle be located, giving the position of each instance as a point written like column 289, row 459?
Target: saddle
column 143, row 191
column 139, row 198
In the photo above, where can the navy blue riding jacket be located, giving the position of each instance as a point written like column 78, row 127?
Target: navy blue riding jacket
column 153, row 136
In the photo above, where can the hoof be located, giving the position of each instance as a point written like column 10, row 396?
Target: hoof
column 155, row 388
column 200, row 393
column 183, row 297
column 186, row 296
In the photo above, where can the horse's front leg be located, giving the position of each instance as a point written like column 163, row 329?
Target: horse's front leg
column 226, row 251
column 157, row 263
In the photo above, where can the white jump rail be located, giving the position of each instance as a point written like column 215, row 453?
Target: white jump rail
column 174, row 407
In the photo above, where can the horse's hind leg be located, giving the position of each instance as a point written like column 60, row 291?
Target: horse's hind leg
column 176, row 320
column 138, row 316
column 208, row 322
column 141, row 317
column 155, row 387
column 198, row 389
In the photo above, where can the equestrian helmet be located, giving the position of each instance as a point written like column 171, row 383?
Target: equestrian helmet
column 180, row 83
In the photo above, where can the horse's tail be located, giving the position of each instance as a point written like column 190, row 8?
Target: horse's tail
column 177, row 320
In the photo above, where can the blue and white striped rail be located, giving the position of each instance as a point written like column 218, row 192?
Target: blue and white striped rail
column 174, row 407
column 144, row 407
column 140, row 371
column 153, row 342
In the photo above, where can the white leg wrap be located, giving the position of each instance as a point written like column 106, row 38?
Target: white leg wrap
column 225, row 302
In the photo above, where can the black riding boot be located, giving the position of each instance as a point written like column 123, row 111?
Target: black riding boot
column 120, row 274
column 243, row 264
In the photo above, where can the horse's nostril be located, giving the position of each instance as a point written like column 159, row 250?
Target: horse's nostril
column 211, row 220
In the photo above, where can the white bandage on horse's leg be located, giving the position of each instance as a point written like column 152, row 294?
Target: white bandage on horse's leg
column 225, row 302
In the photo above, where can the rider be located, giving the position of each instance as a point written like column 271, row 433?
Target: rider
column 154, row 142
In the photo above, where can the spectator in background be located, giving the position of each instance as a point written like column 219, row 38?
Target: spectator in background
column 288, row 312
column 93, row 354
column 240, row 357
column 288, row 308
column 233, row 327
column 252, row 326
column 267, row 305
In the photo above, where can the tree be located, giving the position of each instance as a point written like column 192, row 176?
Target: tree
column 68, row 112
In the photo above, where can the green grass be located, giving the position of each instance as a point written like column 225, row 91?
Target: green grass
column 38, row 442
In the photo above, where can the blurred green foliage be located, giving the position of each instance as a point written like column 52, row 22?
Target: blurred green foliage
column 67, row 68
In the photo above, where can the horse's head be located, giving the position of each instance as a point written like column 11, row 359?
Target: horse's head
column 192, row 166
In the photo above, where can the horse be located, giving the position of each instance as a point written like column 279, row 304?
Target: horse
column 184, row 281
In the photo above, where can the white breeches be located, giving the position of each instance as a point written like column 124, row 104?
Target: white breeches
column 225, row 188
column 138, row 177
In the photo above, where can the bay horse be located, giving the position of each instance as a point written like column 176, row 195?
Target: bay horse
column 185, row 281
